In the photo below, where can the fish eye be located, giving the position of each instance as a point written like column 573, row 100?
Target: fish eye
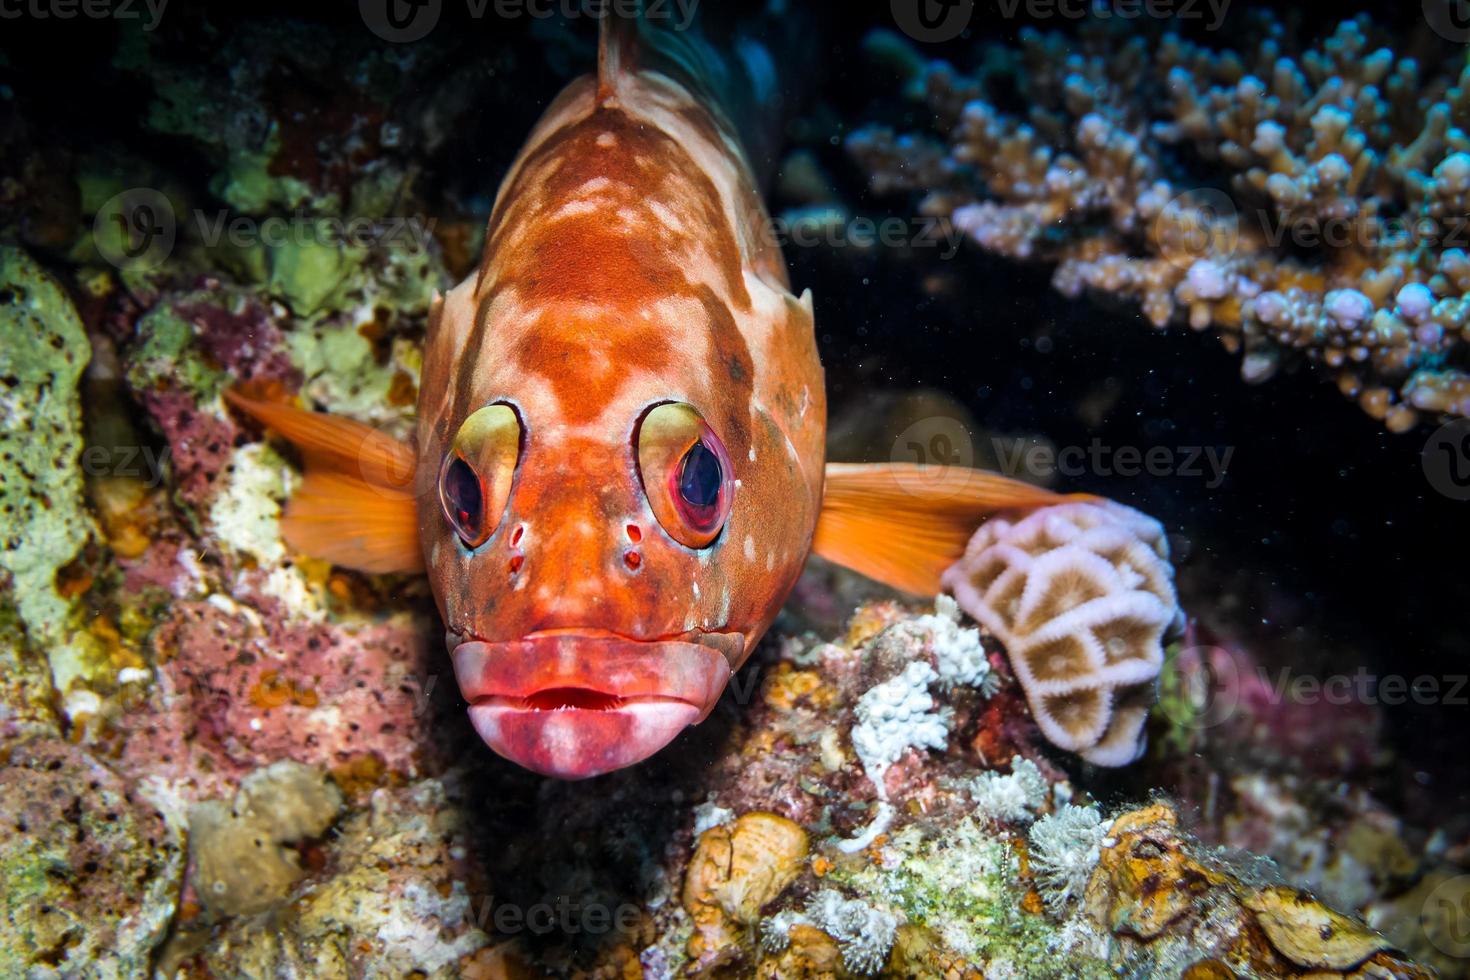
column 686, row 474
column 477, row 473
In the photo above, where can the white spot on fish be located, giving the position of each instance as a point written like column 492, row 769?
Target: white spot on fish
column 770, row 560
column 696, row 589
column 752, row 453
column 749, row 548
column 606, row 140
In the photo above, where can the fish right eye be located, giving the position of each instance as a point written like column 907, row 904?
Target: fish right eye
column 478, row 473
column 464, row 501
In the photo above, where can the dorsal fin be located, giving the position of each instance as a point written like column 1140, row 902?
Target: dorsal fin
column 617, row 40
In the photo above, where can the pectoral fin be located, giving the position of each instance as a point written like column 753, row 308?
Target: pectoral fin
column 903, row 524
column 356, row 506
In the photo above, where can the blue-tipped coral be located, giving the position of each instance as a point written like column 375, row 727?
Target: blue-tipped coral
column 1340, row 239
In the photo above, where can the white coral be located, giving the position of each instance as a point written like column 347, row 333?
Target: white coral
column 896, row 715
column 1065, row 848
column 864, row 934
column 1014, row 797
column 893, row 717
column 957, row 650
column 1081, row 594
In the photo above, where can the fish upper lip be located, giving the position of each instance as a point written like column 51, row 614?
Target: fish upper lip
column 591, row 670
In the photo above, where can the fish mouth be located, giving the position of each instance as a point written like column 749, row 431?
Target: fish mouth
column 573, row 704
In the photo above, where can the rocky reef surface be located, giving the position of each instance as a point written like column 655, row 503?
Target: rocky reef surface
column 225, row 759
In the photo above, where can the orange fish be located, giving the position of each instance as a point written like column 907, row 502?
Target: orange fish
column 619, row 465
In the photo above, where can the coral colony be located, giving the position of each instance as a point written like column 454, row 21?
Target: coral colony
column 225, row 759
column 1307, row 204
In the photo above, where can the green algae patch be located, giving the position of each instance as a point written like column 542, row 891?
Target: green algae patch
column 965, row 888
column 45, row 520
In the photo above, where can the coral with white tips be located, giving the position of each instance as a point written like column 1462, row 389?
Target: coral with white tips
column 1082, row 595
column 1065, row 848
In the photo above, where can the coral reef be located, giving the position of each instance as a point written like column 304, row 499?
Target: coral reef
column 1173, row 904
column 92, row 869
column 1081, row 594
column 46, row 524
column 1064, row 851
column 1340, row 238
column 240, row 859
column 1013, row 797
column 223, row 758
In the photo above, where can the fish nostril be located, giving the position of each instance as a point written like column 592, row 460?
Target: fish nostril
column 632, row 559
column 635, row 533
column 515, row 563
column 515, row 538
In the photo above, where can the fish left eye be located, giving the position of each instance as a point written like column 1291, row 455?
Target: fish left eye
column 476, row 477
column 686, row 474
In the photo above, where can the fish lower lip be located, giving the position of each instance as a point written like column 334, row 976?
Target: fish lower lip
column 573, row 706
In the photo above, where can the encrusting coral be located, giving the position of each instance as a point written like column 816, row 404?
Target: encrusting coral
column 1082, row 595
column 1341, row 238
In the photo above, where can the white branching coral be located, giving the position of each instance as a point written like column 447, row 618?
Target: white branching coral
column 1082, row 595
column 1014, row 797
column 1065, row 848
column 864, row 934
column 895, row 716
column 957, row 649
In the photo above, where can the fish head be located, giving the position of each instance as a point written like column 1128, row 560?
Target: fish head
column 616, row 520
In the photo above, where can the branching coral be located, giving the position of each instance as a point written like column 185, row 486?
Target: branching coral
column 864, row 933
column 1340, row 237
column 1082, row 595
column 1013, row 797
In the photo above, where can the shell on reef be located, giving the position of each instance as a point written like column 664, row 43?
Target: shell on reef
column 1155, row 885
column 1082, row 595
column 1308, row 933
column 736, row 869
column 1147, row 881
